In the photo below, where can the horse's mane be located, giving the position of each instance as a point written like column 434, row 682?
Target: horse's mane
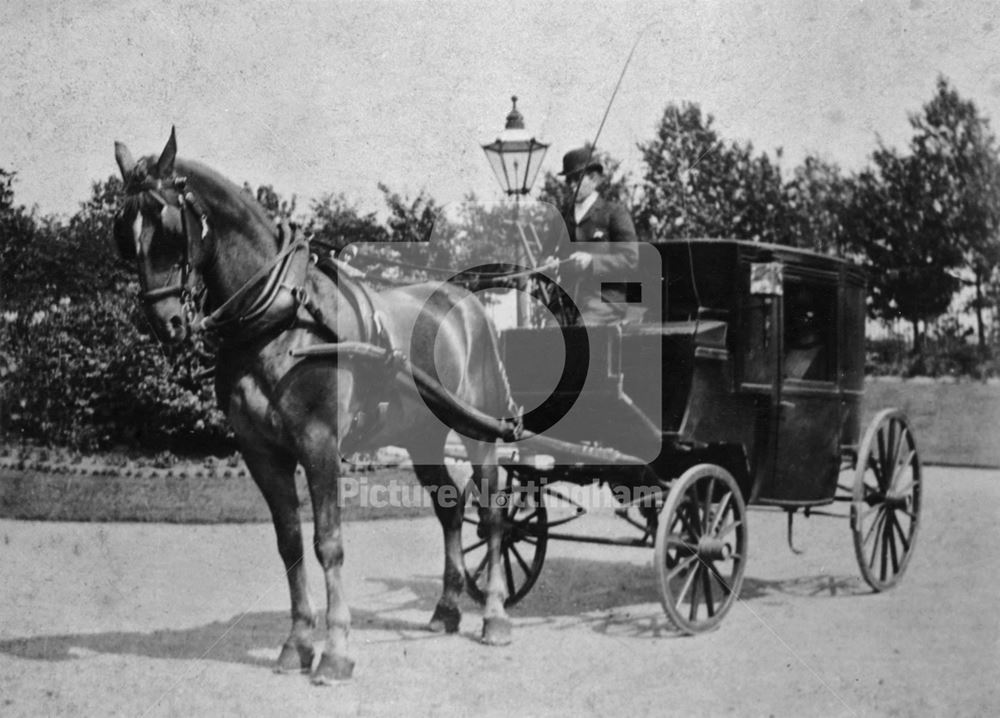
column 228, row 204
column 227, row 200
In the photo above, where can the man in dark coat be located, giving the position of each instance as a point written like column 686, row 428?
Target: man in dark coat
column 606, row 230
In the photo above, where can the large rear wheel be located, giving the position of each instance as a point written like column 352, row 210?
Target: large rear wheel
column 885, row 505
column 701, row 548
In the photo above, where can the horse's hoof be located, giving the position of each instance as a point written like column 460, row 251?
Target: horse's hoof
column 496, row 631
column 332, row 669
column 445, row 619
column 295, row 658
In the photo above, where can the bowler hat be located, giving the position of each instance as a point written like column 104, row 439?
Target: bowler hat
column 580, row 160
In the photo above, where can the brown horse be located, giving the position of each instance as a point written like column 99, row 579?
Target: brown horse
column 186, row 226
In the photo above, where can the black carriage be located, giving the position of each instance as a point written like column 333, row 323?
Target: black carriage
column 760, row 365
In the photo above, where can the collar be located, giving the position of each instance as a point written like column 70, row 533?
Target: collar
column 583, row 206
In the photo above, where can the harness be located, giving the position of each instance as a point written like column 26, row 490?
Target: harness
column 270, row 301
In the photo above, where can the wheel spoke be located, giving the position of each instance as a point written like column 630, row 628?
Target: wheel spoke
column 686, row 587
column 520, row 560
column 481, row 566
column 891, row 537
column 690, row 521
column 911, row 514
column 693, row 611
column 723, row 583
column 728, row 529
column 677, row 541
column 706, row 581
column 885, row 550
column 880, row 460
column 706, row 505
column 903, row 490
column 869, row 511
column 902, row 536
column 874, row 524
column 895, row 444
column 474, row 546
column 509, row 574
column 900, row 468
column 723, row 509
column 681, row 565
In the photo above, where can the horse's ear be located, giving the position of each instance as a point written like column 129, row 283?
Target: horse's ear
column 165, row 165
column 124, row 159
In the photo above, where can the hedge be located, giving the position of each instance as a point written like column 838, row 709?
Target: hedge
column 82, row 375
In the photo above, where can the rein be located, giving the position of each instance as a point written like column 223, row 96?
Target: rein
column 470, row 278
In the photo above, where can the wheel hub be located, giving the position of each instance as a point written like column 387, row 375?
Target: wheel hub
column 897, row 503
column 713, row 549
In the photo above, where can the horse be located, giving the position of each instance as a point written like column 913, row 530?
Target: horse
column 192, row 233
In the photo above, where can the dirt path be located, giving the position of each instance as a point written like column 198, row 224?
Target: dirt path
column 150, row 619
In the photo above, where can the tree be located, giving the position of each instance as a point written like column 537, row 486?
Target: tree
column 925, row 216
column 817, row 199
column 958, row 154
column 431, row 237
column 336, row 223
column 897, row 218
column 46, row 259
column 276, row 206
column 697, row 185
column 18, row 230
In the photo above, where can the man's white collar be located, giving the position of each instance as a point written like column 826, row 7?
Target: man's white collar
column 583, row 206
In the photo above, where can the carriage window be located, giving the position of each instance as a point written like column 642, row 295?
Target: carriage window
column 810, row 341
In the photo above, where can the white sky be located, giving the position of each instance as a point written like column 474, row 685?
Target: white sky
column 321, row 97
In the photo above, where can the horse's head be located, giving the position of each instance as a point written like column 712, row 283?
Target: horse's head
column 158, row 228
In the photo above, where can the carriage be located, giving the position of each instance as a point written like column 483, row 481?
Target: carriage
column 752, row 405
column 759, row 358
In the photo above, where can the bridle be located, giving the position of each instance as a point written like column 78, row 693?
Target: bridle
column 182, row 279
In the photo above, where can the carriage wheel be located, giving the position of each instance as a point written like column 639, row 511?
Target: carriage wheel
column 522, row 551
column 885, row 505
column 701, row 547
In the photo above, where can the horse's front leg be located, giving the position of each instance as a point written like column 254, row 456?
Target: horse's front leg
column 322, row 470
column 274, row 473
column 428, row 458
column 496, row 624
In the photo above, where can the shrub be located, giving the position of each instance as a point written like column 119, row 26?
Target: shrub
column 82, row 375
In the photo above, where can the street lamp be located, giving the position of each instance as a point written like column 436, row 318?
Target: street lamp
column 515, row 155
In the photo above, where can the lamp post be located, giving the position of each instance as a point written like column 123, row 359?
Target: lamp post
column 516, row 157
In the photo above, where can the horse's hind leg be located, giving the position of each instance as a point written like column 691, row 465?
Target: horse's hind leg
column 274, row 473
column 427, row 464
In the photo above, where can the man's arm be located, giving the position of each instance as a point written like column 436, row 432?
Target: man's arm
column 615, row 259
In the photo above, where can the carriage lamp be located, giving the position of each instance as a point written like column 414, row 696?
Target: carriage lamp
column 515, row 155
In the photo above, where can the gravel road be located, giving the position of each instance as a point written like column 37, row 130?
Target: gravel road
column 171, row 620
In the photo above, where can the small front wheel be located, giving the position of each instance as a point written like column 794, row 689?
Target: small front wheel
column 701, row 548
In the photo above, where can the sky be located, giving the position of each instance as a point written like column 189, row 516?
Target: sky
column 326, row 97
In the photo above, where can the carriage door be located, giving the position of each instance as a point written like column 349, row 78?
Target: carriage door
column 760, row 338
column 808, row 451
